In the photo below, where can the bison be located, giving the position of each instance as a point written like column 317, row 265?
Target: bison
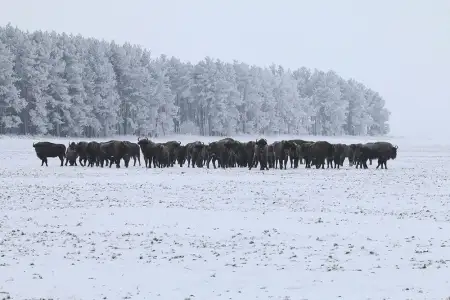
column 162, row 155
column 383, row 151
column 148, row 149
column 173, row 147
column 45, row 150
column 261, row 155
column 219, row 151
column 340, row 152
column 93, row 153
column 114, row 151
column 196, row 154
column 81, row 151
column 132, row 151
column 181, row 155
column 71, row 154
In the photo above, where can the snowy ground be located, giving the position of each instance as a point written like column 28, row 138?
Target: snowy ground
column 179, row 233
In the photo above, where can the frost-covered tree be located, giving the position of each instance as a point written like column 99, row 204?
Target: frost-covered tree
column 162, row 96
column 67, row 85
column 10, row 103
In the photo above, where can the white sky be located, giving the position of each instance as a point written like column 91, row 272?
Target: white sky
column 399, row 48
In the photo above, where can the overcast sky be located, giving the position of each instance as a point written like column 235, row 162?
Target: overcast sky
column 399, row 48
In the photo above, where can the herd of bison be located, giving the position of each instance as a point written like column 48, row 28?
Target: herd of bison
column 226, row 153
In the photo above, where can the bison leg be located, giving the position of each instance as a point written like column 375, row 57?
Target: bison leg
column 261, row 165
column 216, row 160
column 364, row 164
column 67, row 160
column 61, row 158
column 382, row 163
column 379, row 164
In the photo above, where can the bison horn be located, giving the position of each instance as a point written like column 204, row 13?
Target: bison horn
column 396, row 147
column 139, row 139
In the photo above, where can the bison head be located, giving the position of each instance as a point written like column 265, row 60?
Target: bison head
column 144, row 141
column 261, row 142
column 394, row 152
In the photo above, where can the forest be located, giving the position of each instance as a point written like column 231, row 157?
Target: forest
column 66, row 85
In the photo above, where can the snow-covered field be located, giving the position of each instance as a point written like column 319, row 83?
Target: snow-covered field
column 182, row 233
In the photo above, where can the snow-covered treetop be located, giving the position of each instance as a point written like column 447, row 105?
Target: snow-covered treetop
column 68, row 85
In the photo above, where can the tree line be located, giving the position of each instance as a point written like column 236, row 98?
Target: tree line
column 67, row 85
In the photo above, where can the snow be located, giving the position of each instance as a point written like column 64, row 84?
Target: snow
column 178, row 233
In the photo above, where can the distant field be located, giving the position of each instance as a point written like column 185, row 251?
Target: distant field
column 176, row 233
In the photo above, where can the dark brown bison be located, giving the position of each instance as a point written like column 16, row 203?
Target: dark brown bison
column 383, row 151
column 294, row 156
column 93, row 153
column 71, row 155
column 162, row 156
column 181, row 155
column 281, row 152
column 132, row 151
column 219, row 151
column 340, row 152
column 114, row 151
column 261, row 155
column 148, row 149
column 250, row 153
column 81, row 148
column 173, row 147
column 321, row 152
column 45, row 150
column 197, row 154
